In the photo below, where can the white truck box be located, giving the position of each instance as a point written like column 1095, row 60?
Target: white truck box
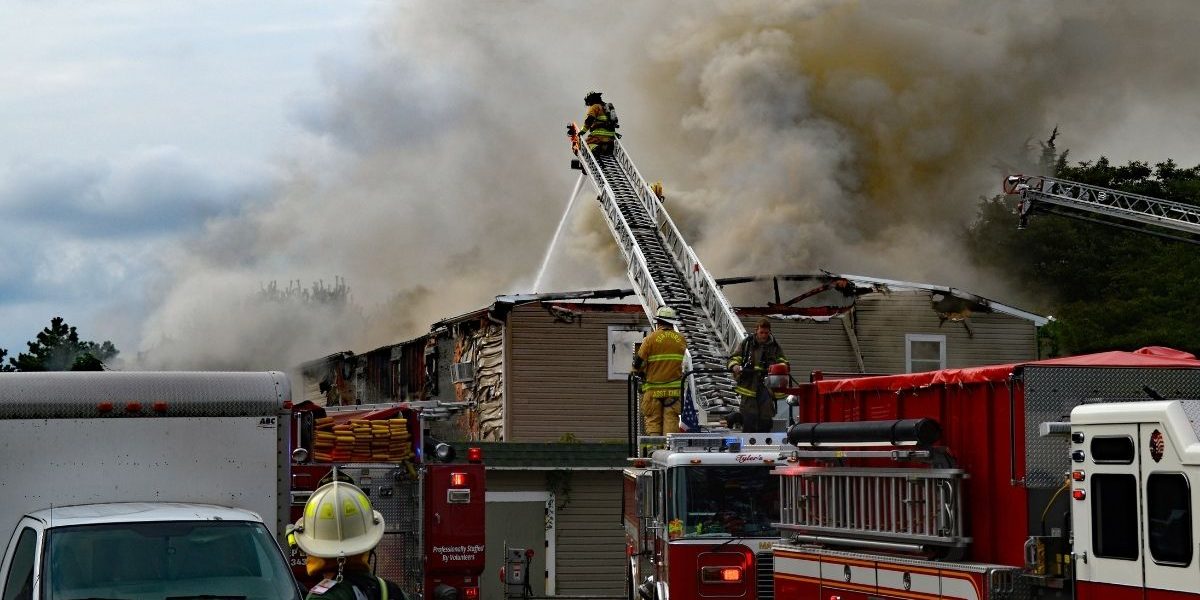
column 167, row 439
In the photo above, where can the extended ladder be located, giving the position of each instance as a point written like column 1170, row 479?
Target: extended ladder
column 665, row 271
column 1053, row 193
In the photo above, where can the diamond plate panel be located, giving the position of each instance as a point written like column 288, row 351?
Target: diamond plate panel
column 398, row 557
column 194, row 394
column 1052, row 391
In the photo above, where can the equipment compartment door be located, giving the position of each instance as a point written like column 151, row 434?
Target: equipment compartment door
column 1105, row 513
column 1169, row 543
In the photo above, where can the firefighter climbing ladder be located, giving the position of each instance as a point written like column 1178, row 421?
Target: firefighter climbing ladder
column 665, row 271
column 1073, row 199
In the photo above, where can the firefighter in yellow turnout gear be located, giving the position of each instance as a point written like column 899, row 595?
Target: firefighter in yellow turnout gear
column 599, row 124
column 660, row 362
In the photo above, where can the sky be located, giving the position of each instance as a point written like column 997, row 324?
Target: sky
column 163, row 162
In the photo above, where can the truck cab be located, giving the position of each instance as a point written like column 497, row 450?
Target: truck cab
column 700, row 517
column 1132, row 503
column 141, row 550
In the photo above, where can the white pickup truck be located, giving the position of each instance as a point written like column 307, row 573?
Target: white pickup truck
column 144, row 486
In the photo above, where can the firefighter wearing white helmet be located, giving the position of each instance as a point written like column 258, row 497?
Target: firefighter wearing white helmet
column 338, row 531
column 659, row 361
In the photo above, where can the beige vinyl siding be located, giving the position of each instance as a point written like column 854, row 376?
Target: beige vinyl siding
column 591, row 542
column 883, row 321
column 557, row 376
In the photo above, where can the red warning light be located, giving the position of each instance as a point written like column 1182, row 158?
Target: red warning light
column 474, row 455
column 458, row 480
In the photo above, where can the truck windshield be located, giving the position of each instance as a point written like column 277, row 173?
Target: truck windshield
column 166, row 560
column 724, row 501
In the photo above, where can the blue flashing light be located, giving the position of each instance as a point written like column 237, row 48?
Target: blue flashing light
column 732, row 444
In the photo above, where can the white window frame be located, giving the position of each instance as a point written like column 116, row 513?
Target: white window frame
column 622, row 334
column 909, row 338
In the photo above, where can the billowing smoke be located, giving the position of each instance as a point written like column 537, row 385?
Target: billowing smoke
column 791, row 136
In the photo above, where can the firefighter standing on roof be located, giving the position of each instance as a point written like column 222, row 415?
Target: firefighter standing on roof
column 660, row 362
column 338, row 531
column 599, row 124
column 749, row 363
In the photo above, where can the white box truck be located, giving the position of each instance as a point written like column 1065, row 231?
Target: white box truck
column 164, row 486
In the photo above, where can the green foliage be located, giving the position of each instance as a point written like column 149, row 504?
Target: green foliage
column 1108, row 288
column 3, row 367
column 58, row 348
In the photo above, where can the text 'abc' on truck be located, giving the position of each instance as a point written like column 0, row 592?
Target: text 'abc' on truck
column 1065, row 478
column 181, row 485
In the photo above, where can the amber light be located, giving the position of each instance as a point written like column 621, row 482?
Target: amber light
column 721, row 575
column 474, row 455
column 458, row 480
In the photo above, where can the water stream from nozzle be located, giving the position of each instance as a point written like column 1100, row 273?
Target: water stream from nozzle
column 537, row 282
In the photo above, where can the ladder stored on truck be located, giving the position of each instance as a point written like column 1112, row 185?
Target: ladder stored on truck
column 1082, row 201
column 893, row 509
column 665, row 271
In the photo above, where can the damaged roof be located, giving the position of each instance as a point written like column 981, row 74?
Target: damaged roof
column 948, row 300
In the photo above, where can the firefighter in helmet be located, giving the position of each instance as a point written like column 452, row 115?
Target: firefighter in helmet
column 749, row 364
column 599, row 124
column 338, row 531
column 660, row 362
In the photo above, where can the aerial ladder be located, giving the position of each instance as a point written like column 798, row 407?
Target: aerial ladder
column 1102, row 205
column 665, row 271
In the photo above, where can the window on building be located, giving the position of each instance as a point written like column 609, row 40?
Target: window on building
column 621, row 343
column 1169, row 515
column 924, row 352
column 1114, row 516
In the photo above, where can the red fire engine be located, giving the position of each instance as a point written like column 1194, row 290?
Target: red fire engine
column 433, row 505
column 700, row 516
column 1065, row 478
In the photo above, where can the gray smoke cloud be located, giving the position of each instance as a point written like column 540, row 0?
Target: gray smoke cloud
column 790, row 135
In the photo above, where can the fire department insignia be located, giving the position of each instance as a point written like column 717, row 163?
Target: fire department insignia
column 907, row 581
column 846, row 573
column 1157, row 445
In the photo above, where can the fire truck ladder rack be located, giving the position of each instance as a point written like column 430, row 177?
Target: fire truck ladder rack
column 907, row 510
column 1078, row 200
column 666, row 272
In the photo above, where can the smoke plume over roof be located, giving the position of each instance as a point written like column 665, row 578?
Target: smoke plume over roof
column 790, row 136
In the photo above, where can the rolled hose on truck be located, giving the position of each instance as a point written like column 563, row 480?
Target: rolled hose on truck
column 922, row 432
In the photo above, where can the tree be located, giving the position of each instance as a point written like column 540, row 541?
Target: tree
column 1107, row 287
column 58, row 348
column 3, row 367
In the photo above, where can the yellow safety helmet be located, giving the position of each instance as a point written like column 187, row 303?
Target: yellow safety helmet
column 338, row 521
